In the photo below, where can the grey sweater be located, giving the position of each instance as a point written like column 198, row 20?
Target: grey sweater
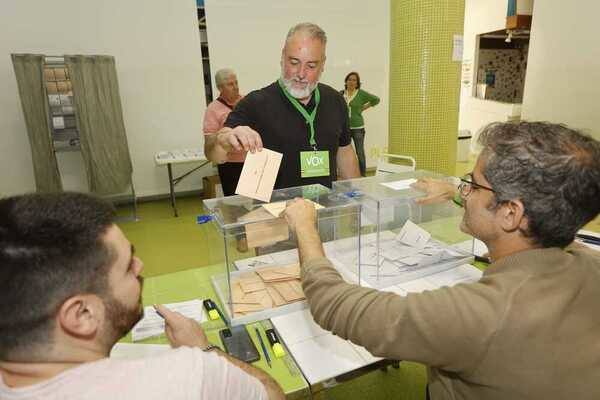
column 529, row 329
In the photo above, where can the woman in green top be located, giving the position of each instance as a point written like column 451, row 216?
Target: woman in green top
column 358, row 101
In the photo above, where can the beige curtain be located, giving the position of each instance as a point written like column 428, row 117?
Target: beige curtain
column 103, row 139
column 29, row 73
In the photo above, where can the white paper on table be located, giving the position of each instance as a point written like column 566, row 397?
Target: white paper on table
column 370, row 257
column 434, row 258
column 399, row 185
column 153, row 324
column 325, row 357
column 413, row 235
column 465, row 273
column 386, row 270
column 251, row 263
column 285, row 257
column 259, row 174
column 412, row 260
column 398, row 252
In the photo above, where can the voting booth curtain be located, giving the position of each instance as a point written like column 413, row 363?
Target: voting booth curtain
column 100, row 122
column 29, row 73
column 99, row 117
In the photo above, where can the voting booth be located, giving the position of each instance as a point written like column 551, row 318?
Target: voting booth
column 261, row 277
column 402, row 240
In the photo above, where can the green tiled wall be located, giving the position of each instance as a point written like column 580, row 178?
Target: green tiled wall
column 424, row 81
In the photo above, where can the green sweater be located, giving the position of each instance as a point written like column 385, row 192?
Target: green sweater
column 355, row 107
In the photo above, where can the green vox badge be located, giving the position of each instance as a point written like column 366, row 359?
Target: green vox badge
column 314, row 163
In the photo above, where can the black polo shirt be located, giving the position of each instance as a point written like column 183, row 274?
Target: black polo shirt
column 283, row 129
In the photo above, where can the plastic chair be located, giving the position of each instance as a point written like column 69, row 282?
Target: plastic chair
column 386, row 166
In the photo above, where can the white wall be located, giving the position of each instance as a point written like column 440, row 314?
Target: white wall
column 562, row 83
column 248, row 36
column 563, row 74
column 481, row 16
column 159, row 66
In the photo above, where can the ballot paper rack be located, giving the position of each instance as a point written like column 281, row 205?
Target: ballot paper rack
column 261, row 274
column 401, row 240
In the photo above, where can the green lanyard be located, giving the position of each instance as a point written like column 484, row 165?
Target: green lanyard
column 310, row 118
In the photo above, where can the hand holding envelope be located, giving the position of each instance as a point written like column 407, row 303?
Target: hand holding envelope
column 259, row 174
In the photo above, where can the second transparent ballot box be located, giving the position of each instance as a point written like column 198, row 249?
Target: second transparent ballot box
column 261, row 274
column 402, row 240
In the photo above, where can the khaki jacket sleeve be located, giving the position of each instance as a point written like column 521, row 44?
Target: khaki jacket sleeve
column 448, row 328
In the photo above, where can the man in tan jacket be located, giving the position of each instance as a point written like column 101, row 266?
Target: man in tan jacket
column 530, row 328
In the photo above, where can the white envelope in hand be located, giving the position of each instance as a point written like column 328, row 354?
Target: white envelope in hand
column 259, row 174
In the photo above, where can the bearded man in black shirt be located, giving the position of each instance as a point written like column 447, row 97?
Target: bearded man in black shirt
column 305, row 120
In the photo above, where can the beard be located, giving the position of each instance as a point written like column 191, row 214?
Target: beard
column 298, row 93
column 120, row 318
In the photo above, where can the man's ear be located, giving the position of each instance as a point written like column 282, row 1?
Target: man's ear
column 81, row 315
column 512, row 216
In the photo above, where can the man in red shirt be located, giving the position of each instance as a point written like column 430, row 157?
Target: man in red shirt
column 214, row 119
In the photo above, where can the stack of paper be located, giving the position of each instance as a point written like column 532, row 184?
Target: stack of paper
column 266, row 288
column 394, row 258
column 153, row 324
column 266, row 230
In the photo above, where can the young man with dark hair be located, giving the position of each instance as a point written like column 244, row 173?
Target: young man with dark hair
column 70, row 288
column 529, row 328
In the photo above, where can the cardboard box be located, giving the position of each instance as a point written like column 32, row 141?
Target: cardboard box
column 49, row 74
column 60, row 74
column 211, row 187
column 62, row 87
column 51, row 88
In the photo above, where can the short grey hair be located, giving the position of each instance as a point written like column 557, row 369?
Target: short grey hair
column 311, row 30
column 222, row 75
column 552, row 169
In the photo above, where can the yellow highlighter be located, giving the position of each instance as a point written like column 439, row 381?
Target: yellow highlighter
column 211, row 309
column 277, row 347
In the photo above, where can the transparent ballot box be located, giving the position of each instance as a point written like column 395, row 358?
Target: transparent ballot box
column 261, row 276
column 402, row 240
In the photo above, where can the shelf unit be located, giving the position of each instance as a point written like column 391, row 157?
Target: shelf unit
column 62, row 118
column 205, row 54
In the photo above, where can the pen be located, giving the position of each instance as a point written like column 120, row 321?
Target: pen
column 588, row 238
column 158, row 312
column 262, row 346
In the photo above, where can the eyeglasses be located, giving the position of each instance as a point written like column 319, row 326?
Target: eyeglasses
column 467, row 185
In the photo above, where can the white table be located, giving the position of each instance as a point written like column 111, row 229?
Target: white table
column 184, row 156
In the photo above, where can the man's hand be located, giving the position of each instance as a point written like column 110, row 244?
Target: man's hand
column 301, row 216
column 240, row 138
column 438, row 191
column 180, row 330
column 298, row 212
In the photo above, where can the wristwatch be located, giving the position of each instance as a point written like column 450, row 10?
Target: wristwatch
column 211, row 347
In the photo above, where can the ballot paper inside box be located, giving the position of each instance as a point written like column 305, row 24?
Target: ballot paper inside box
column 401, row 239
column 260, row 277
